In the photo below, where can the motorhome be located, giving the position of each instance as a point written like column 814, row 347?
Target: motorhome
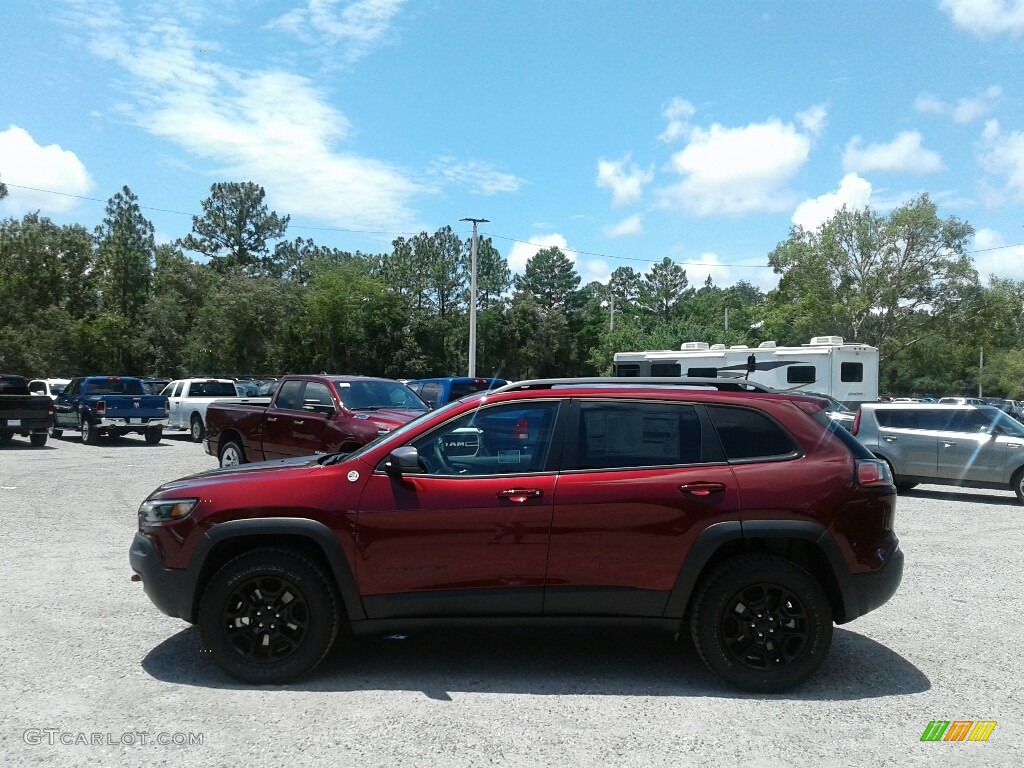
column 827, row 365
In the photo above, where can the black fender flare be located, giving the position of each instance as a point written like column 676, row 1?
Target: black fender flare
column 313, row 530
column 712, row 538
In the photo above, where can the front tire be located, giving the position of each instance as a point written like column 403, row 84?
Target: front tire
column 153, row 436
column 761, row 623
column 269, row 616
column 232, row 454
column 1018, row 484
column 38, row 439
column 196, row 429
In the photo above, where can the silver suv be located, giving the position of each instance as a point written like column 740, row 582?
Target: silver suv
column 976, row 446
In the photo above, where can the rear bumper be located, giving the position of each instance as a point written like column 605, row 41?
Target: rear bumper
column 126, row 423
column 874, row 589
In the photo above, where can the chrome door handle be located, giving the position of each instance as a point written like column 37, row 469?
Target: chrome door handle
column 271, row 418
column 702, row 489
column 947, row 444
column 520, row 495
column 889, row 439
column 299, row 421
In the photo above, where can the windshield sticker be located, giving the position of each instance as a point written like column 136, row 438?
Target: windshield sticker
column 353, row 476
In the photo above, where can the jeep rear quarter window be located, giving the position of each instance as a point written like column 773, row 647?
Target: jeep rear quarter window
column 747, row 434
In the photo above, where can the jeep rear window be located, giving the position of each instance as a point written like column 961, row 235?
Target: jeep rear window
column 212, row 389
column 13, row 385
column 115, row 387
column 748, row 434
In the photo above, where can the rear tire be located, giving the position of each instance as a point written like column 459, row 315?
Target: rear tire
column 196, row 429
column 38, row 439
column 232, row 454
column 269, row 616
column 55, row 431
column 761, row 623
column 1018, row 484
column 89, row 432
column 153, row 436
column 6, row 438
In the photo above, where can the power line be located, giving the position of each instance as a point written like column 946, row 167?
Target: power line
column 496, row 237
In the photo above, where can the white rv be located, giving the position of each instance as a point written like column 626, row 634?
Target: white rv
column 847, row 372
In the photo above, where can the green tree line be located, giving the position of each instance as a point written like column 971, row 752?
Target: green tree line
column 75, row 301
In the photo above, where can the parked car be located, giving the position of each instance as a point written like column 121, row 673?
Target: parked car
column 961, row 401
column 837, row 411
column 155, row 386
column 111, row 406
column 437, row 392
column 49, row 387
column 308, row 415
column 748, row 519
column 975, row 446
column 188, row 400
column 22, row 413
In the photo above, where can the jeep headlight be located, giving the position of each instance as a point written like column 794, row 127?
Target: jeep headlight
column 164, row 511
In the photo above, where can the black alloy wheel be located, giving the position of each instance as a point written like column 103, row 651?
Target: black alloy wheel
column 761, row 623
column 269, row 616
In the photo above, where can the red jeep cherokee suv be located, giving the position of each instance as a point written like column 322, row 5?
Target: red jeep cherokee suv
column 747, row 518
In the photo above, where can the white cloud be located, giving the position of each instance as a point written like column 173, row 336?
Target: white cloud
column 360, row 25
column 267, row 126
column 27, row 164
column 903, row 154
column 677, row 114
column 853, row 192
column 523, row 252
column 813, row 119
column 930, row 104
column 1002, row 156
column 987, row 18
column 1007, row 262
column 478, row 178
column 632, row 225
column 707, row 264
column 968, row 110
column 593, row 269
column 738, row 170
column 626, row 180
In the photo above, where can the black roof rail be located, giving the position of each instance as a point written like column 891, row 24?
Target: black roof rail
column 691, row 382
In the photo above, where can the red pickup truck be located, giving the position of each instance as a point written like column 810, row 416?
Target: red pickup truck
column 309, row 415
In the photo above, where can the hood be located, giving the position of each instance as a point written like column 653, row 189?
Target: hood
column 388, row 418
column 244, row 472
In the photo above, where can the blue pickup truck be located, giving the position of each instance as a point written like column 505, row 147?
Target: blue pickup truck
column 437, row 392
column 109, row 405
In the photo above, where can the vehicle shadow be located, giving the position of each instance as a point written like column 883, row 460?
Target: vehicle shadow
column 26, row 446
column 610, row 662
column 962, row 494
column 127, row 441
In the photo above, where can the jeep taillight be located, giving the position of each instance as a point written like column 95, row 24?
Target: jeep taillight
column 873, row 472
column 856, row 423
column 101, row 407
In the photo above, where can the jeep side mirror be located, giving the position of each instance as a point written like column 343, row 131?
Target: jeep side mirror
column 403, row 461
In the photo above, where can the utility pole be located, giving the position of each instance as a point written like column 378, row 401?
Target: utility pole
column 472, row 297
column 611, row 320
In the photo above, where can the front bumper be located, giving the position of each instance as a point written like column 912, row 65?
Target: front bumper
column 170, row 589
column 129, row 423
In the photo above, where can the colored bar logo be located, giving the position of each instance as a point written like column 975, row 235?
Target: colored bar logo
column 958, row 730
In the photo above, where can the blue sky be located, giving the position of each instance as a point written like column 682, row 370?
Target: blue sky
column 622, row 132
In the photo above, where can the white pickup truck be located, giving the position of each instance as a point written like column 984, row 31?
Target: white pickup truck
column 188, row 399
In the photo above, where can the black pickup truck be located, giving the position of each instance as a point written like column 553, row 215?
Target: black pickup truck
column 22, row 413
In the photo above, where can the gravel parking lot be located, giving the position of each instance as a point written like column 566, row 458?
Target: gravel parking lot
column 94, row 675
